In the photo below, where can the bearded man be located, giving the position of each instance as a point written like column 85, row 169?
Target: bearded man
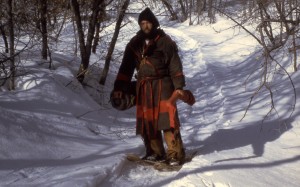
column 160, row 82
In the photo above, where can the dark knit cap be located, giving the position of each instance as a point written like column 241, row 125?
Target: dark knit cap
column 148, row 15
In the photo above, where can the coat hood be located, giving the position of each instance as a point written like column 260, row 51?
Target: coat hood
column 148, row 15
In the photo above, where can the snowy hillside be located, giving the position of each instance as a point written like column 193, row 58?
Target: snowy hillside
column 54, row 132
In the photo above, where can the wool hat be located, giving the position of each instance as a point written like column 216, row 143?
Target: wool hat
column 148, row 15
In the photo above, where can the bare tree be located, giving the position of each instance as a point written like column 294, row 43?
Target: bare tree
column 2, row 31
column 101, row 18
column 278, row 23
column 85, row 46
column 43, row 20
column 189, row 8
column 10, row 25
column 170, row 9
column 113, row 42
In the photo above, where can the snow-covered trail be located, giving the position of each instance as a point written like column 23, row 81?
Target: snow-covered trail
column 204, row 79
column 230, row 152
column 57, row 135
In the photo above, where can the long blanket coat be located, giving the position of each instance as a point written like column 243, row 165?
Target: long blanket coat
column 159, row 73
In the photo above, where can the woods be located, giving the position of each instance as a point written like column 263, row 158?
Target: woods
column 276, row 22
column 60, row 125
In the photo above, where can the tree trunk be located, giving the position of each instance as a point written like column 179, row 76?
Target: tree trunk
column 294, row 33
column 43, row 19
column 191, row 11
column 113, row 42
column 85, row 47
column 4, row 38
column 11, row 45
column 101, row 17
column 200, row 9
column 170, row 9
column 92, row 26
column 183, row 10
column 210, row 12
column 204, row 5
column 75, row 38
column 61, row 26
column 80, row 33
column 295, row 52
column 97, row 37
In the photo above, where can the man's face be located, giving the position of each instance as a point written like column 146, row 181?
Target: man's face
column 146, row 26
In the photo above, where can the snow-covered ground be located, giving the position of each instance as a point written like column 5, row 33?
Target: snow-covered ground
column 54, row 132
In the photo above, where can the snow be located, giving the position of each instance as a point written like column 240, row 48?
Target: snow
column 56, row 132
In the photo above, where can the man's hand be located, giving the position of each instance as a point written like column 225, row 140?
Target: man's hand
column 186, row 96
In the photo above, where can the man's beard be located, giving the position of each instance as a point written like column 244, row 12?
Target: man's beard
column 151, row 34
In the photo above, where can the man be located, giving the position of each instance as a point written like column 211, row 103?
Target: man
column 160, row 81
